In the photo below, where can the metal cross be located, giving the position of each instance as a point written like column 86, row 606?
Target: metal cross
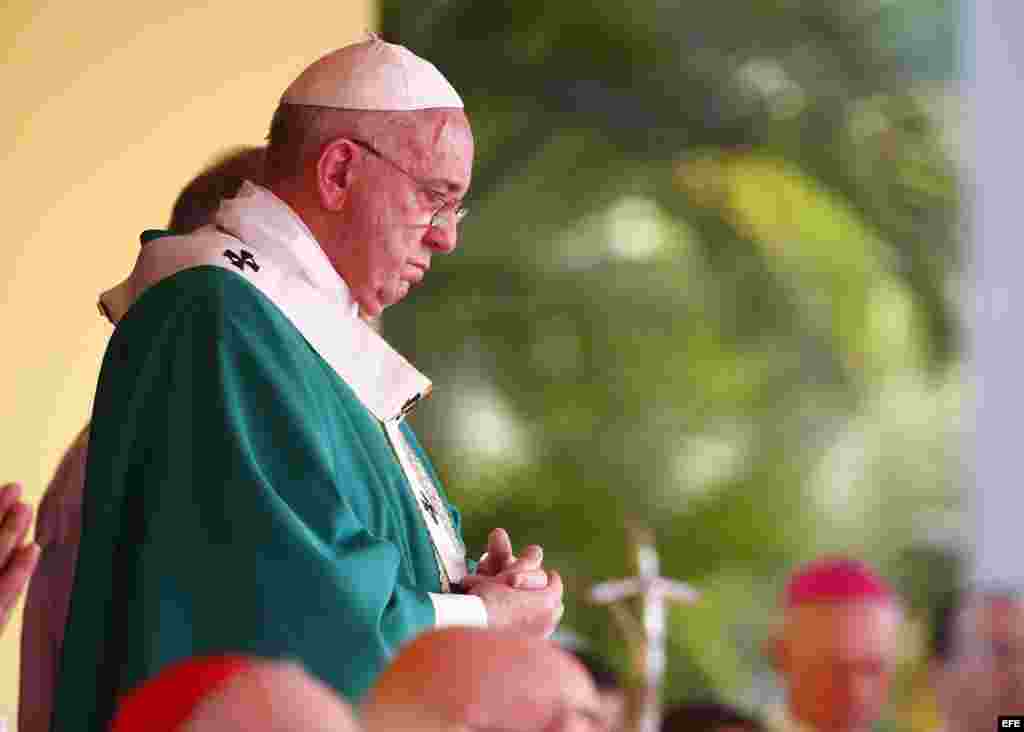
column 653, row 591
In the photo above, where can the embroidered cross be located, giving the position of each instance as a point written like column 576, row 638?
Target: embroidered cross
column 429, row 508
column 240, row 261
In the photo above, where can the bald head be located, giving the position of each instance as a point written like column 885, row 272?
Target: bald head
column 272, row 696
column 483, row 680
column 837, row 645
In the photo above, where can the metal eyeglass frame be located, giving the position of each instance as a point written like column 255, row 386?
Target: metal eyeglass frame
column 457, row 209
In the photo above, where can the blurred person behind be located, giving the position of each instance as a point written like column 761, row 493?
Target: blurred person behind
column 58, row 527
column 233, row 694
column 448, row 680
column 479, row 680
column 836, row 647
column 978, row 664
column 708, row 717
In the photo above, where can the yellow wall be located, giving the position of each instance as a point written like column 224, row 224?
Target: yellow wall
column 109, row 107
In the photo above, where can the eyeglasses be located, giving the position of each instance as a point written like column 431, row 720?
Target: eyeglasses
column 445, row 209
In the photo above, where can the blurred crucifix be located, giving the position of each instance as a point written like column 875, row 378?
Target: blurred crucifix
column 646, row 636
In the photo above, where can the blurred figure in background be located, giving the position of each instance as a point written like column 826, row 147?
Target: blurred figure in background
column 708, row 717
column 199, row 200
column 449, row 680
column 478, row 680
column 836, row 647
column 233, row 694
column 59, row 524
column 979, row 660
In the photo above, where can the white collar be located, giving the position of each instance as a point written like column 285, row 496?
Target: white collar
column 257, row 216
column 295, row 274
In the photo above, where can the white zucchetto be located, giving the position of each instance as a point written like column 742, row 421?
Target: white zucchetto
column 373, row 75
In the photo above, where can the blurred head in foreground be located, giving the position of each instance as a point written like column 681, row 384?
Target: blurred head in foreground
column 233, row 694
column 477, row 680
column 979, row 661
column 708, row 717
column 837, row 645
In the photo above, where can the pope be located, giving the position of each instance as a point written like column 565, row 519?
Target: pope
column 252, row 485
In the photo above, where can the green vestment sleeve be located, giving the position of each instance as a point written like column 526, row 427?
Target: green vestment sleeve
column 238, row 498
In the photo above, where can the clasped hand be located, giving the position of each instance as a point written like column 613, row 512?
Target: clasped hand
column 518, row 592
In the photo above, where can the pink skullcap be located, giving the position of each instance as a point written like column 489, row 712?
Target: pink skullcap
column 835, row 579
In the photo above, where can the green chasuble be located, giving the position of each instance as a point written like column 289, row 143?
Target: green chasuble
column 239, row 498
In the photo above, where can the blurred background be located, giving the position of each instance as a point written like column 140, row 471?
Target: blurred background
column 711, row 284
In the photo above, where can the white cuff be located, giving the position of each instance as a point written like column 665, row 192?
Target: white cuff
column 458, row 610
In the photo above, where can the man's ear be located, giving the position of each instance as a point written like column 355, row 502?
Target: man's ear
column 334, row 173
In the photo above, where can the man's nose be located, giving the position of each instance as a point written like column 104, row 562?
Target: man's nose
column 443, row 236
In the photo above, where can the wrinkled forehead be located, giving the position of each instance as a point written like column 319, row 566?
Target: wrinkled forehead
column 844, row 629
column 437, row 144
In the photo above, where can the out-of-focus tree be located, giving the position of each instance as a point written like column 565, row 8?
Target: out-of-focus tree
column 708, row 284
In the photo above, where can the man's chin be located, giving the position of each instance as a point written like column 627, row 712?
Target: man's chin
column 371, row 307
column 386, row 299
column 375, row 308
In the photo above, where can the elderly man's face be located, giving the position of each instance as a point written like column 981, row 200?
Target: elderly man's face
column 837, row 659
column 385, row 242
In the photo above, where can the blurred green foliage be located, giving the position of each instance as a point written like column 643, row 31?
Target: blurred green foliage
column 708, row 285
